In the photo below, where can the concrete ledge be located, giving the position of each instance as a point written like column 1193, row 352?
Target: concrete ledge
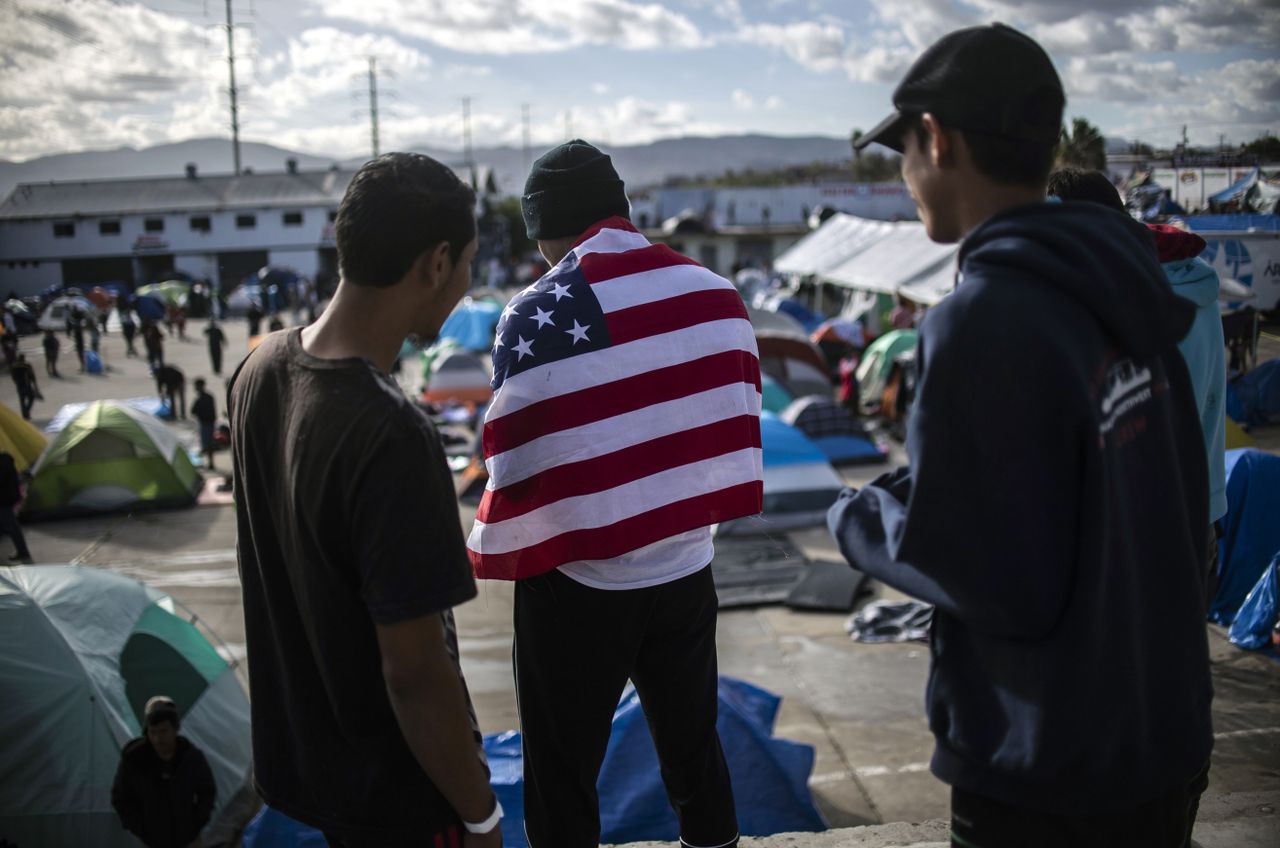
column 1230, row 820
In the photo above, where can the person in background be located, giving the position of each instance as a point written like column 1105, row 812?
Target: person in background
column 10, row 498
column 51, row 348
column 1053, row 507
column 1203, row 348
column 24, row 380
column 903, row 316
column 217, row 339
column 153, row 341
column 613, row 580
column 351, row 551
column 171, row 385
column 163, row 790
column 129, row 329
column 9, row 337
column 76, row 327
column 254, row 317
column 275, row 324
column 205, row 411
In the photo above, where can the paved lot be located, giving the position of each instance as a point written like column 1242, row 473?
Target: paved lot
column 860, row 706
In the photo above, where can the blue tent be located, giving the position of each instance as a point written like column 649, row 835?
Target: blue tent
column 471, row 323
column 809, row 319
column 1251, row 533
column 149, row 308
column 836, row 431
column 1237, row 223
column 799, row 483
column 1254, row 397
column 770, row 779
column 1237, row 190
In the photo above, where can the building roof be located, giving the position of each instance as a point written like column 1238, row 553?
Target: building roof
column 142, row 195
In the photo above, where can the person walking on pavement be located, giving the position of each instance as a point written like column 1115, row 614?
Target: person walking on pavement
column 612, row 571
column 153, row 341
column 51, row 348
column 24, row 380
column 77, row 320
column 129, row 329
column 205, row 411
column 1056, row 481
column 254, row 317
column 10, row 498
column 171, row 385
column 363, row 727
column 217, row 339
column 164, row 790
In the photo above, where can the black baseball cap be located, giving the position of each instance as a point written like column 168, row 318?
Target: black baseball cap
column 989, row 79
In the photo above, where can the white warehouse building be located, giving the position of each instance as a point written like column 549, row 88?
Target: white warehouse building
column 221, row 228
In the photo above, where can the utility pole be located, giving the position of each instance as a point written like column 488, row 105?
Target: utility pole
column 235, row 112
column 466, row 139
column 373, row 103
column 524, row 138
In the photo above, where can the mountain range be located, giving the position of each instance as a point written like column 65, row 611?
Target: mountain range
column 639, row 165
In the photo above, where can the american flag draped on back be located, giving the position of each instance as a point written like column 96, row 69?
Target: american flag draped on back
column 626, row 409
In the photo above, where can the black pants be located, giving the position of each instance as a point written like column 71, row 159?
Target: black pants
column 575, row 648
column 26, row 400
column 1166, row 822
column 9, row 527
column 215, row 358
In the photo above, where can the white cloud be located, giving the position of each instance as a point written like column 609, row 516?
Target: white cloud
column 525, row 26
column 599, row 88
column 742, row 100
column 817, row 46
column 773, row 101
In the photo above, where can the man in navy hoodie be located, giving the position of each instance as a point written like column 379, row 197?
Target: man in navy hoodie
column 1053, row 507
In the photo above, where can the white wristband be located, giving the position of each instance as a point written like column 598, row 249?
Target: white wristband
column 488, row 824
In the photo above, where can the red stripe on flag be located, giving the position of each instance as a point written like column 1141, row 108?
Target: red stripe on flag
column 674, row 313
column 598, row 267
column 605, row 401
column 624, row 536
column 611, row 470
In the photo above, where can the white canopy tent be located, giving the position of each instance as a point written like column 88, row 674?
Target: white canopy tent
column 840, row 237
column 899, row 257
column 932, row 287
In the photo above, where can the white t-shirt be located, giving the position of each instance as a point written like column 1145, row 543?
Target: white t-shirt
column 652, row 565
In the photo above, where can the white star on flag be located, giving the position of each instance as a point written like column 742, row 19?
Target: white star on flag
column 543, row 318
column 560, row 291
column 510, row 310
column 524, row 347
column 497, row 342
column 579, row 333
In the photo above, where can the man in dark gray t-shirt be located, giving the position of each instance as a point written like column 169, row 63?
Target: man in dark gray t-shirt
column 351, row 554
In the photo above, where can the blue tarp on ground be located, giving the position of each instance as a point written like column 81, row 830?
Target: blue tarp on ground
column 1251, row 533
column 471, row 324
column 1252, row 627
column 1254, row 397
column 770, row 779
column 770, row 776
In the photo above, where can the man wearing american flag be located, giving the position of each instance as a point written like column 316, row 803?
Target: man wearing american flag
column 624, row 424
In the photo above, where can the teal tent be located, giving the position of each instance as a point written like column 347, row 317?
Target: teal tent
column 81, row 651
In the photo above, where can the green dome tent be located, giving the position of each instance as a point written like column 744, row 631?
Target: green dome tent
column 81, row 650
column 877, row 362
column 111, row 457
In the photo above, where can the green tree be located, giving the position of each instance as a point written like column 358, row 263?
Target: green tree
column 1083, row 147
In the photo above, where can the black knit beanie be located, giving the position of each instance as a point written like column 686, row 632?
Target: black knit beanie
column 569, row 189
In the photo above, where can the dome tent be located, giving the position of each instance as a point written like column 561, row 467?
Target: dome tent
column 19, row 439
column 83, row 649
column 799, row 483
column 111, row 457
column 835, row 430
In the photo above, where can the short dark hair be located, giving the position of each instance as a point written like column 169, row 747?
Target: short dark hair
column 396, row 208
column 1072, row 183
column 1009, row 161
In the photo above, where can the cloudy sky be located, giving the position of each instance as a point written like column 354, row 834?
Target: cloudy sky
column 92, row 74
